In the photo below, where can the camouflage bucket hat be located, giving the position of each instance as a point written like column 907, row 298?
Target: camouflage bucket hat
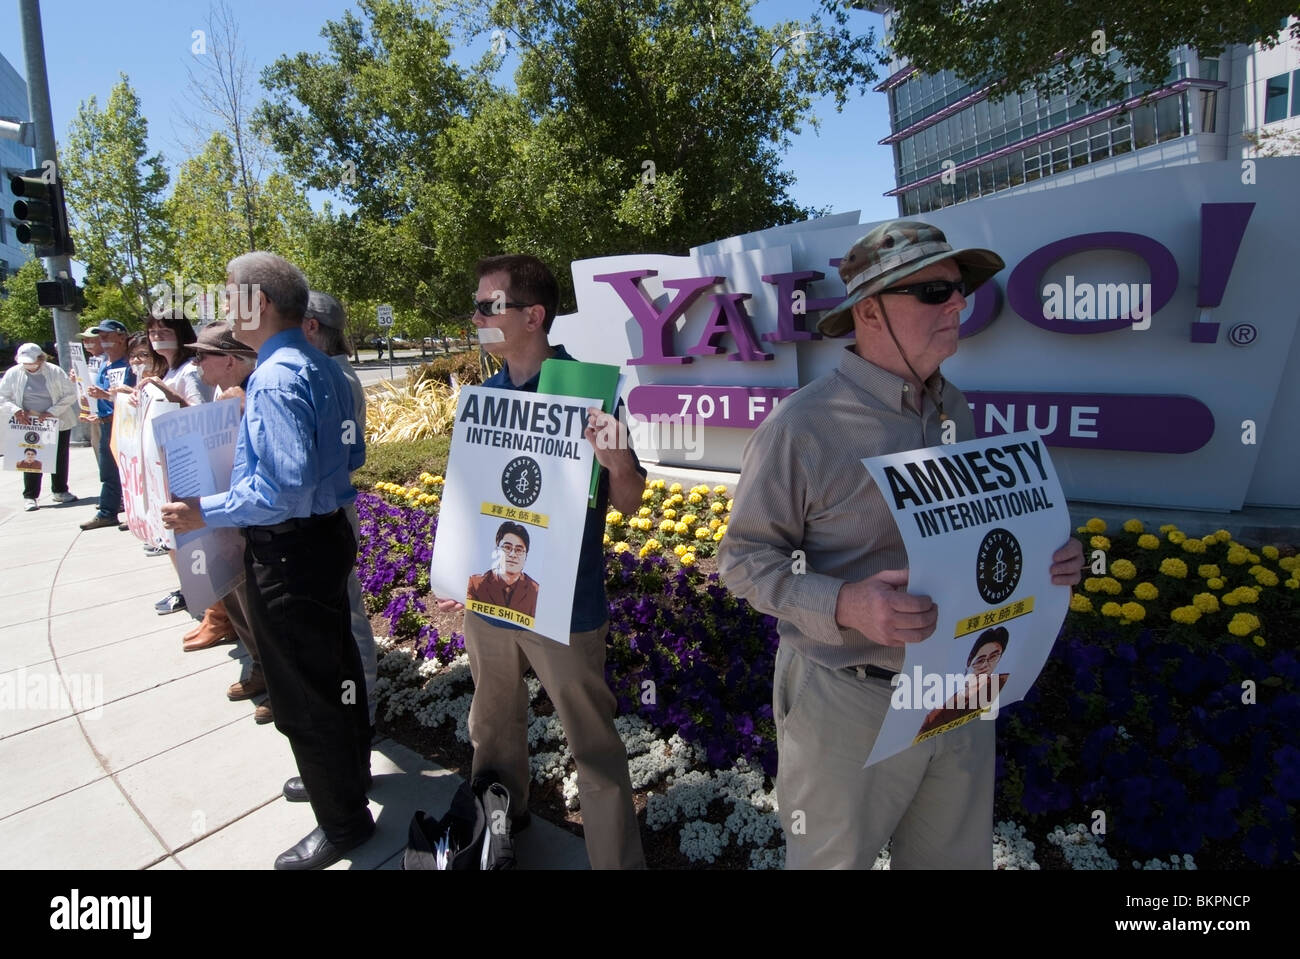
column 894, row 251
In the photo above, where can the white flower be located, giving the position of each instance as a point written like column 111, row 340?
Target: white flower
column 767, row 858
column 702, row 841
column 1011, row 850
column 570, row 787
column 1082, row 850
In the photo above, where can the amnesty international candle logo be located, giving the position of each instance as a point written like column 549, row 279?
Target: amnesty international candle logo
column 32, row 438
column 997, row 565
column 521, row 481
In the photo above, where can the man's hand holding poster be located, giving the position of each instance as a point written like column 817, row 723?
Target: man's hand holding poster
column 980, row 521
column 514, row 507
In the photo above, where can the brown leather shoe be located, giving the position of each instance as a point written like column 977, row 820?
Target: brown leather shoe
column 214, row 629
column 262, row 714
column 254, row 685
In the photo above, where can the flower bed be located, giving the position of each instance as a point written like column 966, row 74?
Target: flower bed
column 1164, row 719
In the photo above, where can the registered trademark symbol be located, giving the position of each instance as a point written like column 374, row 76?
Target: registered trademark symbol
column 1243, row 334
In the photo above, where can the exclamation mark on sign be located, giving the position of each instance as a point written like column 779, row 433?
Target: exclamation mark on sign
column 1222, row 227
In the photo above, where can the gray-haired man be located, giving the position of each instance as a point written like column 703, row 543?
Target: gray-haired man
column 846, row 620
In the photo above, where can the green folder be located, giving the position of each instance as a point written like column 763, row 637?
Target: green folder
column 571, row 378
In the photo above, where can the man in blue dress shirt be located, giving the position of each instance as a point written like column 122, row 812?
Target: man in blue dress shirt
column 288, row 491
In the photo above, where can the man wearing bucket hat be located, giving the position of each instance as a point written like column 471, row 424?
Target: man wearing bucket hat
column 845, row 616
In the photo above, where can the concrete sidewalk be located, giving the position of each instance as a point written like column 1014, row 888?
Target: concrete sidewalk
column 121, row 751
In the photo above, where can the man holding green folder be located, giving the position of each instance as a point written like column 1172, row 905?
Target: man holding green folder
column 515, row 305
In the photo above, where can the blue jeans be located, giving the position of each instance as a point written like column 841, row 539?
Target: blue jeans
column 110, row 493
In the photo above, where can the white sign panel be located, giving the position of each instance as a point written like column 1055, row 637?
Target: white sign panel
column 32, row 447
column 514, row 507
column 140, row 465
column 385, row 315
column 198, row 453
column 980, row 521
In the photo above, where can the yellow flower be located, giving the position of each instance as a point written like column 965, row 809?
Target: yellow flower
column 1185, row 614
column 1102, row 584
column 426, row 479
column 729, row 502
column 722, row 530
column 720, row 490
column 715, row 523
column 1242, row 594
column 695, row 499
column 717, row 537
column 1243, row 624
column 1133, row 526
column 622, row 547
column 1080, row 603
column 716, row 508
column 652, row 545
column 1174, row 567
column 1209, row 540
column 1289, row 563
column 702, row 533
column 1293, row 583
column 690, row 519
column 688, row 559
column 1167, row 529
column 614, row 518
column 1123, row 569
column 1111, row 609
column 1257, row 640
column 666, row 526
column 1237, row 555
column 1207, row 570
column 670, row 514
column 675, row 488
column 1266, row 577
column 648, row 494
column 1214, row 582
column 679, row 549
column 1206, row 602
column 438, row 481
column 681, row 529
column 1147, row 541
column 657, row 484
column 1193, row 546
column 1270, row 552
column 1092, row 584
column 1177, row 536
column 607, row 539
column 702, row 488
column 1100, row 542
column 1133, row 612
column 645, row 511
column 676, row 499
column 1222, row 535
column 1095, row 525
column 1145, row 591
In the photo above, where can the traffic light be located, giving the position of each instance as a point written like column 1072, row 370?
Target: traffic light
column 63, row 294
column 42, row 216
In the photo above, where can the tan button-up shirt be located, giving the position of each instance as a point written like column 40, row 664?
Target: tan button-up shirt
column 803, row 487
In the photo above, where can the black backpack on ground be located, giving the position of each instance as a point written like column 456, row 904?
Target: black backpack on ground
column 474, row 833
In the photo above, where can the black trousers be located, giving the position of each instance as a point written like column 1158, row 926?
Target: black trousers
column 59, row 482
column 298, row 609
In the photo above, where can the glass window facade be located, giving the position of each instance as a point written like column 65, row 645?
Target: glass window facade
column 1275, row 97
column 1157, row 122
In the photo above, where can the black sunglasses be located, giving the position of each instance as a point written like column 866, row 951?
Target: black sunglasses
column 933, row 292
column 495, row 307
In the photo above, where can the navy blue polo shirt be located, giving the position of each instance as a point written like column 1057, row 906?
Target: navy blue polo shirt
column 590, row 605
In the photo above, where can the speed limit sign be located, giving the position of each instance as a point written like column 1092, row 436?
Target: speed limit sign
column 386, row 315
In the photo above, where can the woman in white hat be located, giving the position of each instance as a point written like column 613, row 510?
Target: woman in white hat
column 30, row 391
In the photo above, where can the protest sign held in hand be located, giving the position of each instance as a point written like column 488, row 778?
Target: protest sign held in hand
column 980, row 521
column 513, row 507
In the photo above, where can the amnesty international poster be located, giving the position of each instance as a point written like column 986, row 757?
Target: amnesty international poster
column 140, row 465
column 514, row 507
column 81, row 372
column 197, row 447
column 31, row 447
column 980, row 521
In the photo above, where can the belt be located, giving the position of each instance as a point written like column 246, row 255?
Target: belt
column 264, row 534
column 875, row 672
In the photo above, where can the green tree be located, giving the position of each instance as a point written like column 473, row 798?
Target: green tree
column 1028, row 42
column 114, row 192
column 208, row 230
column 21, row 320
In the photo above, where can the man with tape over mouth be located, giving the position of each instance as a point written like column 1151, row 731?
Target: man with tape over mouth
column 845, row 616
column 515, row 304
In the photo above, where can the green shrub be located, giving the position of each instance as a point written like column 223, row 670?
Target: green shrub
column 402, row 462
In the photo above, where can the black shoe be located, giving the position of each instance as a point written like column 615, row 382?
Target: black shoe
column 124, row 527
column 295, row 791
column 173, row 602
column 316, row 851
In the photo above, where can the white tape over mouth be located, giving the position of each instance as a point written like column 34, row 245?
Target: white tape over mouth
column 490, row 334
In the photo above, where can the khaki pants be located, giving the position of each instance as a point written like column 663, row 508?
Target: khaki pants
column 935, row 798
column 574, row 678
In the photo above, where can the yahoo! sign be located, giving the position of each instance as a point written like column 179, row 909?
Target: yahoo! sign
column 721, row 336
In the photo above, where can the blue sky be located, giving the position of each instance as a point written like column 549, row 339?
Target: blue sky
column 89, row 42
